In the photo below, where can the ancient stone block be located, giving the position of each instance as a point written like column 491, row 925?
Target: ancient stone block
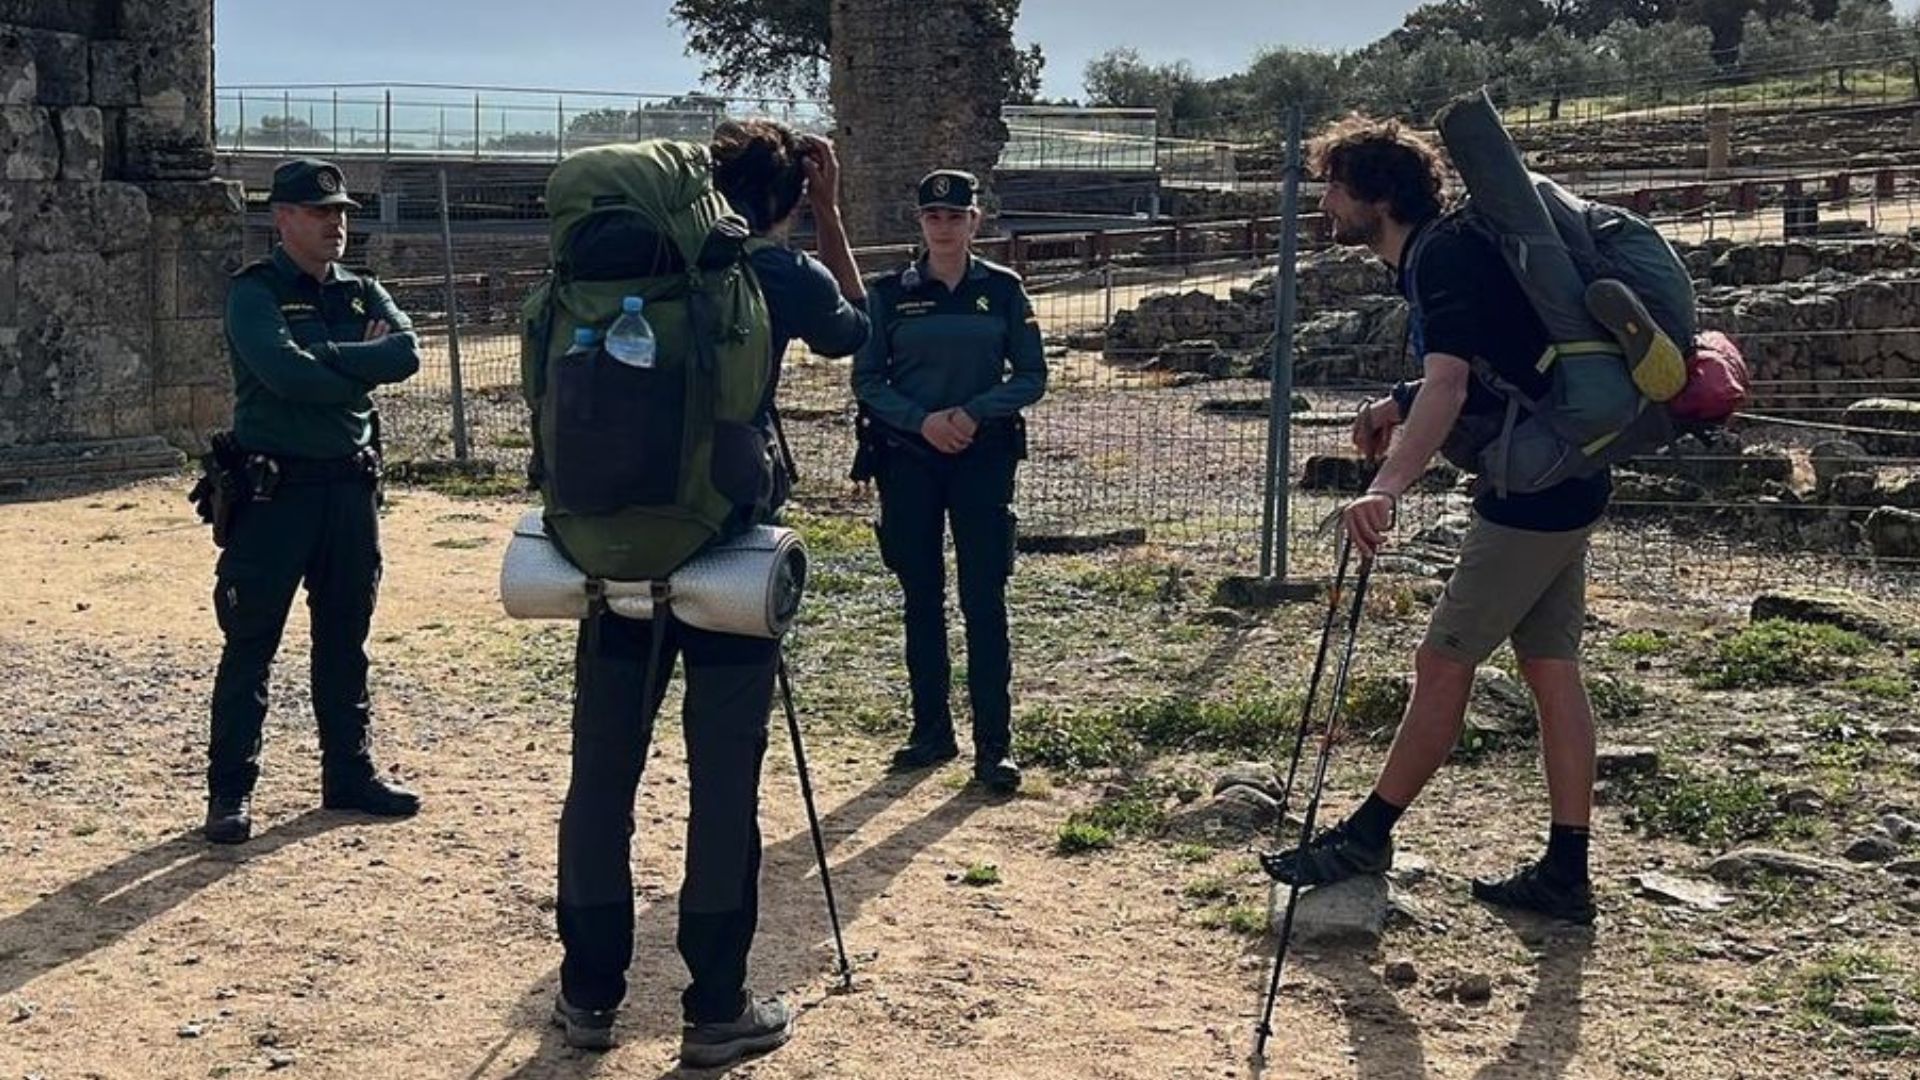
column 60, row 67
column 29, row 147
column 108, row 218
column 160, row 144
column 190, row 352
column 9, row 292
column 173, row 411
column 116, row 73
column 200, row 214
column 212, row 410
column 1894, row 533
column 167, row 20
column 19, row 80
column 82, row 143
column 64, row 290
column 200, row 281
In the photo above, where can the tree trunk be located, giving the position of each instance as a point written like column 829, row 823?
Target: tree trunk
column 916, row 86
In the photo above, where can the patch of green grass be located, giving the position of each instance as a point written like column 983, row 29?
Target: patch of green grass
column 824, row 582
column 1207, row 889
column 514, row 440
column 1885, row 687
column 828, row 535
column 1778, row 652
column 1071, row 740
column 1840, row 749
column 462, row 543
column 466, row 486
column 1247, row 920
column 1137, row 812
column 87, row 828
column 1702, row 807
column 1617, row 699
column 1375, row 704
column 980, row 875
column 1079, row 837
column 1131, row 579
column 1642, row 643
column 1191, row 854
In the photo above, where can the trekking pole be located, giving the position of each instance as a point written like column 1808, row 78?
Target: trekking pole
column 813, row 822
column 1336, row 701
column 1313, row 682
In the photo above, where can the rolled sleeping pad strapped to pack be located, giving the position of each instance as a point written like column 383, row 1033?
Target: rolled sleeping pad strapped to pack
column 750, row 585
column 1593, row 401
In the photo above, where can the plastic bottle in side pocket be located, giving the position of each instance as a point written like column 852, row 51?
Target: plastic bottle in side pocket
column 630, row 339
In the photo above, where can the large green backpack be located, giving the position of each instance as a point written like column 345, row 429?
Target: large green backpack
column 641, row 468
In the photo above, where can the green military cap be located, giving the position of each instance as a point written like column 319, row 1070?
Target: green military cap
column 948, row 187
column 310, row 182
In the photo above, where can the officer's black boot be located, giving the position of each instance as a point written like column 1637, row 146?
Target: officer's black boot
column 369, row 794
column 229, row 819
column 924, row 750
column 994, row 767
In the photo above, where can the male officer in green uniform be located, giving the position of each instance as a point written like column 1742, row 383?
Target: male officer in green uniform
column 309, row 341
column 954, row 355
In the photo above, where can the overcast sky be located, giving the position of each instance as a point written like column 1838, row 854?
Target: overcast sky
column 630, row 46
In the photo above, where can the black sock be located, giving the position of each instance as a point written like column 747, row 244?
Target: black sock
column 1375, row 819
column 1566, row 860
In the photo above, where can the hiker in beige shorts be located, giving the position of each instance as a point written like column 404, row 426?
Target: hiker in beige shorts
column 1522, row 570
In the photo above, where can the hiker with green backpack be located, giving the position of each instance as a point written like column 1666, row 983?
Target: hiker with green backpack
column 646, row 457
column 1536, row 380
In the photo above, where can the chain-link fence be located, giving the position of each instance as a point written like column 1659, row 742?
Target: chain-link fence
column 1158, row 299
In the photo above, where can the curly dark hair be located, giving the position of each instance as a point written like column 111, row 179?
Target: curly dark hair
column 757, row 166
column 1380, row 161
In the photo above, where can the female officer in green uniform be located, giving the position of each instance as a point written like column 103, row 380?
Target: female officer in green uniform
column 954, row 356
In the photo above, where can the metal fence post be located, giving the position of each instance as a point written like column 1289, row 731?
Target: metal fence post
column 388, row 124
column 1274, row 494
column 453, row 328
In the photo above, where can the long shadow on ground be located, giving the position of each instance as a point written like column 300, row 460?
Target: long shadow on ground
column 105, row 906
column 784, row 954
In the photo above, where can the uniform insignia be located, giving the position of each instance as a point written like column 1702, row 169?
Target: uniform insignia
column 359, row 306
column 983, row 304
column 941, row 186
column 327, row 181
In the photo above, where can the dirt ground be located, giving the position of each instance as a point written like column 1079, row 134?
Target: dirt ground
column 334, row 947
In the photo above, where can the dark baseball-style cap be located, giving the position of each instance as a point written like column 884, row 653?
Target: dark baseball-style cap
column 949, row 187
column 310, row 182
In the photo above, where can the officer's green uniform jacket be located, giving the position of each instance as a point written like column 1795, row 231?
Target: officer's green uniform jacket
column 977, row 346
column 302, row 371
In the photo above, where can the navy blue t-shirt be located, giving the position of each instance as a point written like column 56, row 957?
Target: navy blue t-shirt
column 804, row 303
column 1469, row 305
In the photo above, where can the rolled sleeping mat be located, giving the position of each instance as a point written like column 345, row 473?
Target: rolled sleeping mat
column 750, row 585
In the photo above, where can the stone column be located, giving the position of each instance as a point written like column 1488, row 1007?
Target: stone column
column 916, row 85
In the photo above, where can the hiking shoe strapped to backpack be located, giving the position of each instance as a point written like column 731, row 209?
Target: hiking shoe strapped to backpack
column 1653, row 360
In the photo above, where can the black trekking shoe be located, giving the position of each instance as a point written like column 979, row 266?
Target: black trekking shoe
column 760, row 1027
column 924, row 754
column 1334, row 855
column 369, row 795
column 1531, row 889
column 583, row 1029
column 995, row 769
column 229, row 819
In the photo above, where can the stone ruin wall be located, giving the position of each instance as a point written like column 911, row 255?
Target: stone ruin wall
column 115, row 240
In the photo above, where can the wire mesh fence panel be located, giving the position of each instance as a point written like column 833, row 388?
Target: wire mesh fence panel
column 1149, row 250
